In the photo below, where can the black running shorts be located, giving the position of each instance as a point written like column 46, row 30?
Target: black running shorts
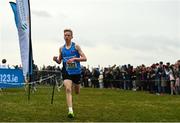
column 75, row 78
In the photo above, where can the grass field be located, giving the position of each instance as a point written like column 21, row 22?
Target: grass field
column 92, row 105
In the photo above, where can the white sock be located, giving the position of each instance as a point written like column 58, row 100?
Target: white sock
column 70, row 109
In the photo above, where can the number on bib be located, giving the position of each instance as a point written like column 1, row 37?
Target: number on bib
column 72, row 65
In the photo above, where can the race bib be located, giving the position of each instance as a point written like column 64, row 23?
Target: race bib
column 72, row 65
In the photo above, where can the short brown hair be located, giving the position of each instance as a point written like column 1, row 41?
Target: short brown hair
column 68, row 30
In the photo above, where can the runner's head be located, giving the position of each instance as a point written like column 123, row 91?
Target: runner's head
column 68, row 34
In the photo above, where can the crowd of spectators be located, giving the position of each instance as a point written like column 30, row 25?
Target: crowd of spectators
column 158, row 78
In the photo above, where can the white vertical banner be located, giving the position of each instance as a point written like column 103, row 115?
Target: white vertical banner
column 23, row 31
column 23, row 26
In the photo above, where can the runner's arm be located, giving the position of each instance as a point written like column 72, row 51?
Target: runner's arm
column 81, row 53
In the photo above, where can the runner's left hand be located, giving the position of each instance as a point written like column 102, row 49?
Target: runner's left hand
column 71, row 60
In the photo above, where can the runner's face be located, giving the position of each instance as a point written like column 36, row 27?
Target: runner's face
column 67, row 36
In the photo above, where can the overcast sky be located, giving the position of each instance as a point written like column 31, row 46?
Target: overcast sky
column 108, row 31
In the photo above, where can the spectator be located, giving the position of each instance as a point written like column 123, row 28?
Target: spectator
column 95, row 76
column 101, row 80
column 171, row 76
column 133, row 77
column 177, row 84
column 4, row 65
column 86, row 76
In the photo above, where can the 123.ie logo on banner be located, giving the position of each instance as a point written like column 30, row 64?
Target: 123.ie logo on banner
column 10, row 78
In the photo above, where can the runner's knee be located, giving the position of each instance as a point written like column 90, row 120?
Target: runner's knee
column 68, row 90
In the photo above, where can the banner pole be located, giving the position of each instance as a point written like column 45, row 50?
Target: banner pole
column 29, row 87
column 54, row 84
column 30, row 52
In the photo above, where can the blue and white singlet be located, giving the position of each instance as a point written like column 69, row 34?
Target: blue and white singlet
column 74, row 67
